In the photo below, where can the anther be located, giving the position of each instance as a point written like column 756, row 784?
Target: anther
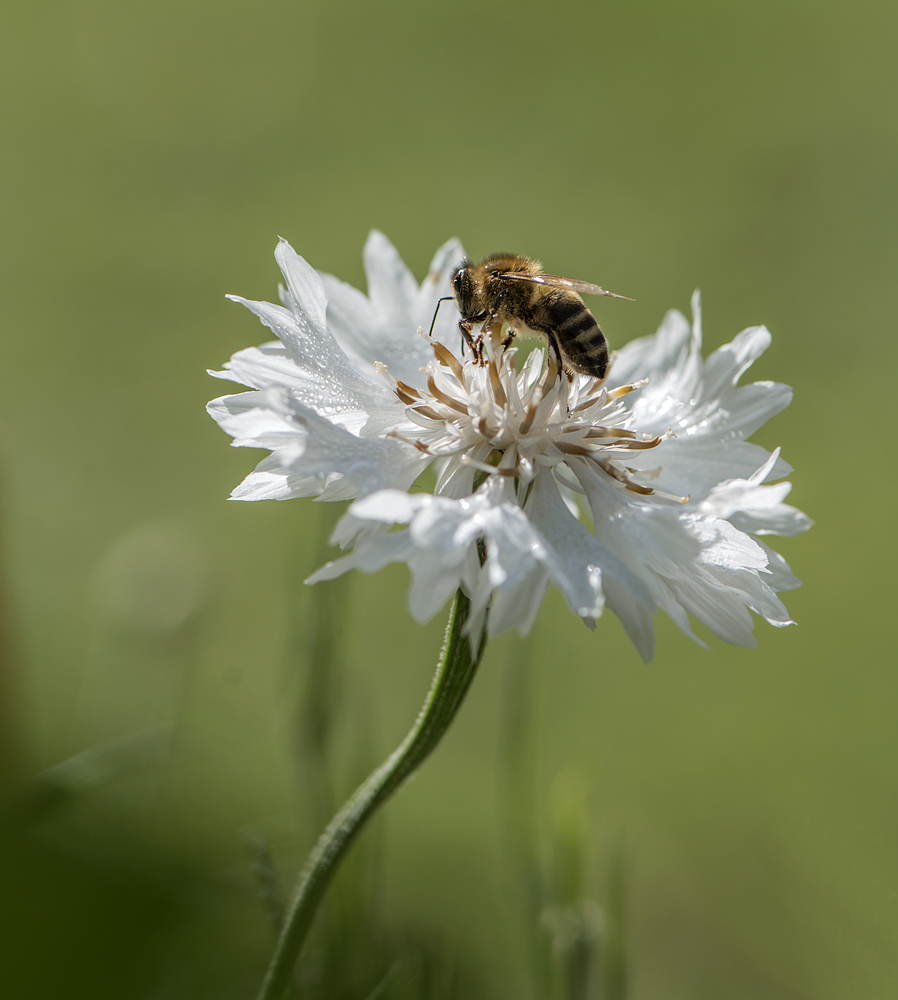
column 567, row 448
column 426, row 411
column 641, row 445
column 496, row 383
column 437, row 393
column 527, row 422
column 407, row 389
column 623, row 390
column 449, row 360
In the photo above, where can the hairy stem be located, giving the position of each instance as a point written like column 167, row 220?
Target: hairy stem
column 457, row 665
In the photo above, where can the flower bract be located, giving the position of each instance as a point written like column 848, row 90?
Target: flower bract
column 640, row 492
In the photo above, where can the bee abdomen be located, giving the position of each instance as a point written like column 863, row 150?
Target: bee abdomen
column 579, row 336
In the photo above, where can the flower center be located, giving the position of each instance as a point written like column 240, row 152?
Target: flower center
column 483, row 412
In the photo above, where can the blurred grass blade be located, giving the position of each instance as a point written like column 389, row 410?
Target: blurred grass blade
column 391, row 974
column 265, row 875
column 614, row 969
column 92, row 768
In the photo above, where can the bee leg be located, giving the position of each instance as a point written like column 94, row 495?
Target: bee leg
column 493, row 327
column 556, row 350
column 506, row 341
column 488, row 324
column 466, row 338
column 475, row 345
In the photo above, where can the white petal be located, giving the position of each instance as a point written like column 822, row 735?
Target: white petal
column 369, row 556
column 668, row 356
column 270, row 481
column 306, row 444
column 693, row 468
column 390, row 506
column 579, row 555
column 756, row 508
column 689, row 563
column 384, row 325
column 436, row 286
column 779, row 576
column 391, row 285
column 306, row 292
column 628, row 589
column 257, row 420
column 318, row 374
column 433, row 583
column 516, row 605
column 350, row 318
column 710, row 416
column 725, row 366
column 726, row 582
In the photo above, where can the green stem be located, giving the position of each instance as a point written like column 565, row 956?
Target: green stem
column 456, row 668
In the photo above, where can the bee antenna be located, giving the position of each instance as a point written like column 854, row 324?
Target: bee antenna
column 445, row 298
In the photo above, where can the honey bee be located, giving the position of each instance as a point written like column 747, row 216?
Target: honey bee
column 507, row 289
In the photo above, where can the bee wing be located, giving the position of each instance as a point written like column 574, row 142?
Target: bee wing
column 556, row 281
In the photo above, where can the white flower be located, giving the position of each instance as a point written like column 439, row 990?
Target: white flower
column 637, row 493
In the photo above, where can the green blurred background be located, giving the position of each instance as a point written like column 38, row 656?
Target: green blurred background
column 720, row 825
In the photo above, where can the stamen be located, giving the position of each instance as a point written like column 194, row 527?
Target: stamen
column 525, row 468
column 508, row 459
column 512, row 385
column 496, row 383
column 437, row 393
column 407, row 389
column 490, row 469
column 449, row 360
column 590, row 399
column 485, row 430
column 548, row 401
column 566, row 448
column 412, row 441
column 527, row 422
column 425, row 411
column 522, row 417
column 623, row 390
column 609, row 432
column 552, row 369
column 642, row 445
column 623, row 478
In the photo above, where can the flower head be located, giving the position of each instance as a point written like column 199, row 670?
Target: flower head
column 637, row 492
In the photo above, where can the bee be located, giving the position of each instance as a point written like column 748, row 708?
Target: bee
column 507, row 289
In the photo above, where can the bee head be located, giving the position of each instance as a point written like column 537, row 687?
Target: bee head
column 463, row 288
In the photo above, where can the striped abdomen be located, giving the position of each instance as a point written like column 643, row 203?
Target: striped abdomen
column 564, row 318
